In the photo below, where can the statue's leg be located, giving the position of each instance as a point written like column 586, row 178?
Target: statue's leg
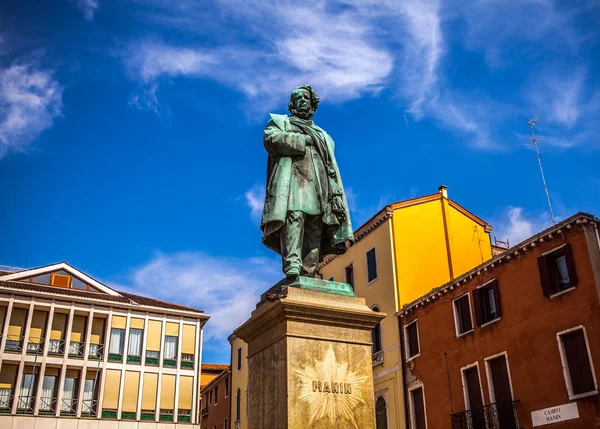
column 291, row 243
column 313, row 229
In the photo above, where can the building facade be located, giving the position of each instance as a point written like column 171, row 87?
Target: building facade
column 401, row 253
column 74, row 351
column 239, row 383
column 514, row 342
column 210, row 371
column 216, row 402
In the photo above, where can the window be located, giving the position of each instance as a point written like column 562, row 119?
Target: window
column 487, row 303
column 349, row 274
column 117, row 338
column 151, row 355
column 376, row 335
column 210, row 397
column 371, row 265
column 238, row 404
column 473, row 395
column 69, row 402
column 417, row 408
column 462, row 315
column 135, row 342
column 557, row 270
column 577, row 363
column 226, row 387
column 239, row 359
column 225, row 425
column 381, row 414
column 47, row 396
column 216, row 395
column 170, row 348
column 412, row 340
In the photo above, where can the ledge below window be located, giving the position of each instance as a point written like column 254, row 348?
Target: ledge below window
column 490, row 322
column 562, row 292
column 186, row 364
column 583, row 395
column 109, row 414
column 128, row 416
column 170, row 363
column 115, row 358
column 134, row 359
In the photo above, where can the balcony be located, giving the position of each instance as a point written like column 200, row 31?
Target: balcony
column 14, row 343
column 89, row 408
column 204, row 412
column 6, row 400
column 56, row 347
column 76, row 349
column 68, row 407
column 47, row 406
column 25, row 404
column 96, row 351
column 501, row 415
column 35, row 346
column 378, row 358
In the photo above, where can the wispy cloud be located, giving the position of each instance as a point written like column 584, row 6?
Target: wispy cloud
column 255, row 198
column 88, row 7
column 227, row 289
column 30, row 100
column 516, row 226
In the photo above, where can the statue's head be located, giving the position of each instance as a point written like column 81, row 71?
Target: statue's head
column 303, row 102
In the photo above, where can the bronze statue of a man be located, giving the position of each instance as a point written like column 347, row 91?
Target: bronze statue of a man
column 306, row 215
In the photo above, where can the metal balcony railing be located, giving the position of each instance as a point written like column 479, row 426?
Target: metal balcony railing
column 76, row 349
column 14, row 343
column 6, row 400
column 47, row 405
column 35, row 346
column 68, row 407
column 56, row 347
column 204, row 412
column 89, row 408
column 500, row 415
column 96, row 351
column 25, row 404
column 378, row 358
column 236, row 424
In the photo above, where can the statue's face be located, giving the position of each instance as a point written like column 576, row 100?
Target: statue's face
column 301, row 100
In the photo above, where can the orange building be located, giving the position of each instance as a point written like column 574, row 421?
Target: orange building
column 216, row 401
column 512, row 343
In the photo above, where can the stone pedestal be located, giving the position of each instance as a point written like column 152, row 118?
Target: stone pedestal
column 309, row 358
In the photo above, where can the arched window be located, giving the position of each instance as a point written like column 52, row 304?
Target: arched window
column 376, row 335
column 381, row 413
column 238, row 404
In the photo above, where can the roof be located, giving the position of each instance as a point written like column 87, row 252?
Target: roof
column 13, row 281
column 507, row 256
column 218, row 378
column 387, row 212
column 216, row 367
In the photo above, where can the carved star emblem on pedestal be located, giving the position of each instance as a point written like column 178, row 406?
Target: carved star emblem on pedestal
column 330, row 390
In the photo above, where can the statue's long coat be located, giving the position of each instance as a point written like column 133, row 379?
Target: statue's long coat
column 282, row 146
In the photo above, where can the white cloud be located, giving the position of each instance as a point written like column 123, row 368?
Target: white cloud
column 88, row 7
column 255, row 198
column 351, row 199
column 30, row 100
column 146, row 100
column 519, row 227
column 227, row 289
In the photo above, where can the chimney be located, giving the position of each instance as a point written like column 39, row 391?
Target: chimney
column 443, row 190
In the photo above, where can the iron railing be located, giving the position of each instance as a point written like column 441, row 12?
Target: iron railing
column 56, row 347
column 68, row 407
column 89, row 408
column 500, row 415
column 26, row 404
column 378, row 358
column 47, row 405
column 6, row 400
column 96, row 351
column 14, row 343
column 236, row 424
column 204, row 412
column 36, row 346
column 76, row 349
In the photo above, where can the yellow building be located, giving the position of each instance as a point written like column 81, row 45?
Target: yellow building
column 239, row 383
column 75, row 353
column 401, row 253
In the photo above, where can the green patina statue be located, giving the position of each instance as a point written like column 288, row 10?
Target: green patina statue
column 306, row 215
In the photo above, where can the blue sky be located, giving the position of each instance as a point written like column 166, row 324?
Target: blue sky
column 130, row 130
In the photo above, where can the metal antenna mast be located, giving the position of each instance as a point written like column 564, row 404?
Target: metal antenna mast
column 534, row 140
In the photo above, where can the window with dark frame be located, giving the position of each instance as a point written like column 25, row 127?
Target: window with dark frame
column 557, row 271
column 239, row 359
column 462, row 314
column 412, row 340
column 376, row 336
column 216, row 394
column 349, row 271
column 578, row 362
column 418, row 403
column 371, row 265
column 226, row 387
column 487, row 303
